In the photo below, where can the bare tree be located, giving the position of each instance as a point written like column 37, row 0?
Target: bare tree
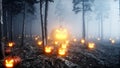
column 1, row 22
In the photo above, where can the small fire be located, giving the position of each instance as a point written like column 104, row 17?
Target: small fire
column 39, row 43
column 56, row 42
column 67, row 42
column 48, row 49
column 91, row 45
column 36, row 38
column 82, row 41
column 74, row 40
column 10, row 44
column 48, row 38
column 9, row 63
column 62, row 51
column 64, row 46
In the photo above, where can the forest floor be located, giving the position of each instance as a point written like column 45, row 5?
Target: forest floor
column 103, row 56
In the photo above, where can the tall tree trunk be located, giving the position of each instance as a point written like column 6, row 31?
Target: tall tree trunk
column 11, row 24
column 83, row 18
column 45, row 20
column 31, row 30
column 42, row 24
column 1, row 22
column 23, row 26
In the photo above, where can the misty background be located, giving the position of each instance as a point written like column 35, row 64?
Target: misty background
column 60, row 13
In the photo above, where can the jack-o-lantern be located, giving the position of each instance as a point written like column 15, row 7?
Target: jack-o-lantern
column 48, row 49
column 62, row 51
column 9, row 62
column 11, row 44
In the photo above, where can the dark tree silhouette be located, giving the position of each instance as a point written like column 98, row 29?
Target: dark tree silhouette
column 85, row 6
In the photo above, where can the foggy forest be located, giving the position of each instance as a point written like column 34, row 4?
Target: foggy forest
column 59, row 33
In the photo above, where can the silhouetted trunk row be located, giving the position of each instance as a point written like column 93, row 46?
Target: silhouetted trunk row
column 45, row 20
column 42, row 24
column 83, row 18
column 1, row 23
column 23, row 25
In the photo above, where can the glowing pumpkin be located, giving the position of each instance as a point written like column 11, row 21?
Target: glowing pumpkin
column 75, row 40
column 91, row 45
column 39, row 43
column 11, row 44
column 60, row 34
column 9, row 63
column 62, row 51
column 64, row 46
column 48, row 49
column 82, row 41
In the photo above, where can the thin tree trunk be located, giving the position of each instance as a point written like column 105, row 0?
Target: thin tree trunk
column 83, row 17
column 1, row 22
column 23, row 26
column 11, row 25
column 45, row 20
column 31, row 31
column 42, row 24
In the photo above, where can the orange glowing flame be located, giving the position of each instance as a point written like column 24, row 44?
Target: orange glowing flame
column 9, row 63
column 62, row 51
column 74, row 40
column 91, row 45
column 67, row 42
column 60, row 34
column 64, row 45
column 48, row 38
column 10, row 44
column 36, row 38
column 56, row 42
column 39, row 43
column 82, row 41
column 48, row 49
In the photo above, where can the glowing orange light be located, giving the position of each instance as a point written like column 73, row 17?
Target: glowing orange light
column 64, row 46
column 112, row 41
column 10, row 44
column 48, row 38
column 62, row 51
column 9, row 63
column 91, row 45
column 39, row 43
column 74, row 40
column 67, row 42
column 36, row 38
column 56, row 42
column 60, row 34
column 82, row 41
column 48, row 49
